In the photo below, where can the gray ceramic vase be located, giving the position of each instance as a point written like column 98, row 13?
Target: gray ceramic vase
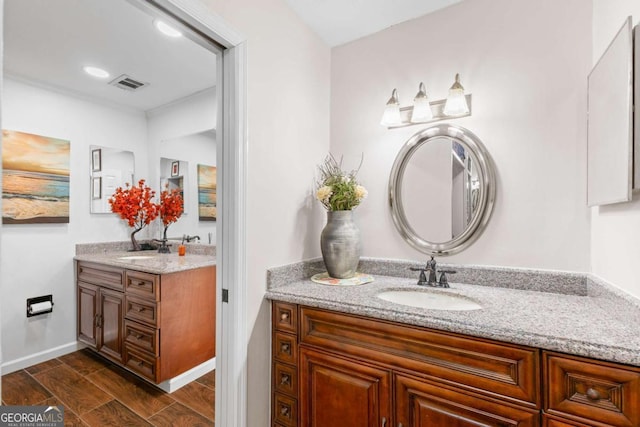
column 340, row 244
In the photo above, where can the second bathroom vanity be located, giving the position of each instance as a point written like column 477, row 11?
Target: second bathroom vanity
column 151, row 313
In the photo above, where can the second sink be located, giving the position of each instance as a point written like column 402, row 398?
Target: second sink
column 430, row 300
column 136, row 257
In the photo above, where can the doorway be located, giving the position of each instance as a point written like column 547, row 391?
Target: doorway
column 231, row 155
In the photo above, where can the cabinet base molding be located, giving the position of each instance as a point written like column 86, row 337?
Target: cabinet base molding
column 191, row 375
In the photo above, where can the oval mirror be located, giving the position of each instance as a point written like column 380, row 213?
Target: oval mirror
column 442, row 189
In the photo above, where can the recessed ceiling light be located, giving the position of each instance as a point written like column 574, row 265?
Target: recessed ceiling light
column 96, row 72
column 166, row 29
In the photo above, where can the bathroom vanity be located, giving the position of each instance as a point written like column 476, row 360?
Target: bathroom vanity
column 342, row 353
column 151, row 313
column 499, row 347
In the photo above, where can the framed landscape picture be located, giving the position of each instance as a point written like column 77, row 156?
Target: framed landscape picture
column 35, row 178
column 207, row 201
column 96, row 160
column 96, row 187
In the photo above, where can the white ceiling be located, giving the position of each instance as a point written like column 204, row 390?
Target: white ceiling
column 49, row 41
column 341, row 21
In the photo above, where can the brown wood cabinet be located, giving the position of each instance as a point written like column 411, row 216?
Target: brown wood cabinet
column 100, row 309
column 421, row 403
column 339, row 390
column 157, row 326
column 590, row 392
column 331, row 368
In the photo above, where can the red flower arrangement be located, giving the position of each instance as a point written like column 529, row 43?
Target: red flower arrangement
column 134, row 205
column 171, row 206
column 170, row 209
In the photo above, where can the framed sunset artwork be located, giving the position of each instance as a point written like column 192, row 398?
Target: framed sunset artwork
column 207, row 187
column 35, row 178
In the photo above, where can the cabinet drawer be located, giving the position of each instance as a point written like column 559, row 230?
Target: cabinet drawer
column 592, row 391
column 142, row 284
column 285, row 379
column 141, row 310
column 285, row 317
column 143, row 337
column 550, row 421
column 141, row 363
column 285, row 348
column 97, row 274
column 285, row 410
column 495, row 369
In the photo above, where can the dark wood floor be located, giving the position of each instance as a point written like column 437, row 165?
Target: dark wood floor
column 97, row 393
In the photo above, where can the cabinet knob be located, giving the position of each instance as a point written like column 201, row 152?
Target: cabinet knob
column 139, row 336
column 593, row 394
column 384, row 422
column 285, row 411
column 140, row 309
column 284, row 316
column 140, row 363
column 285, row 348
column 285, row 379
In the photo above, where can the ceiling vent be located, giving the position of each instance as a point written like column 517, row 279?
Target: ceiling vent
column 127, row 83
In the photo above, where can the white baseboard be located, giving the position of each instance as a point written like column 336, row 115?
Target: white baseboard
column 43, row 356
column 185, row 378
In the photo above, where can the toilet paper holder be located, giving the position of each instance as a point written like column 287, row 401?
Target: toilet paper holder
column 39, row 305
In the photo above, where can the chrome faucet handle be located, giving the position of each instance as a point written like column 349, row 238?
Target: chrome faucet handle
column 422, row 280
column 443, row 282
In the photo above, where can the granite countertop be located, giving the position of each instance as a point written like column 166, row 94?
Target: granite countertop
column 593, row 321
column 116, row 254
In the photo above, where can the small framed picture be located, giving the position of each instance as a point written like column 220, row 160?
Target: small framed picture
column 175, row 168
column 96, row 187
column 96, row 160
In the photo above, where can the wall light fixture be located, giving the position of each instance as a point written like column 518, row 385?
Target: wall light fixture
column 391, row 115
column 456, row 105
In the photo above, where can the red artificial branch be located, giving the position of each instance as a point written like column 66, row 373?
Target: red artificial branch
column 171, row 206
column 134, row 205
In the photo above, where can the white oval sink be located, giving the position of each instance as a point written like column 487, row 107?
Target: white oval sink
column 430, row 300
column 136, row 257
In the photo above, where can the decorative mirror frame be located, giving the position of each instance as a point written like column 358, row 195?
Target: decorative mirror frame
column 486, row 200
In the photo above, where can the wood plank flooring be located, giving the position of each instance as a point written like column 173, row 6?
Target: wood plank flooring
column 97, row 393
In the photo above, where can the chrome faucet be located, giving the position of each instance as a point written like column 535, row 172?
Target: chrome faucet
column 188, row 238
column 433, row 273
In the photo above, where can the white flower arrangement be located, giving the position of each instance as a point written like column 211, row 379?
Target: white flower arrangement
column 336, row 189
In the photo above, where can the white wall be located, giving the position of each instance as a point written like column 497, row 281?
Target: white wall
column 525, row 64
column 172, row 133
column 615, row 228
column 37, row 259
column 288, row 134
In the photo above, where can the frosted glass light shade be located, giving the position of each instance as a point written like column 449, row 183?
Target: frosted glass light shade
column 421, row 107
column 391, row 115
column 456, row 104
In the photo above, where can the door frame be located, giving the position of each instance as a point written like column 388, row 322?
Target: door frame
column 231, row 329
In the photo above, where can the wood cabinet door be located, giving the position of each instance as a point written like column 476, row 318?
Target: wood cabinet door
column 111, row 324
column 87, row 314
column 423, row 404
column 337, row 391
